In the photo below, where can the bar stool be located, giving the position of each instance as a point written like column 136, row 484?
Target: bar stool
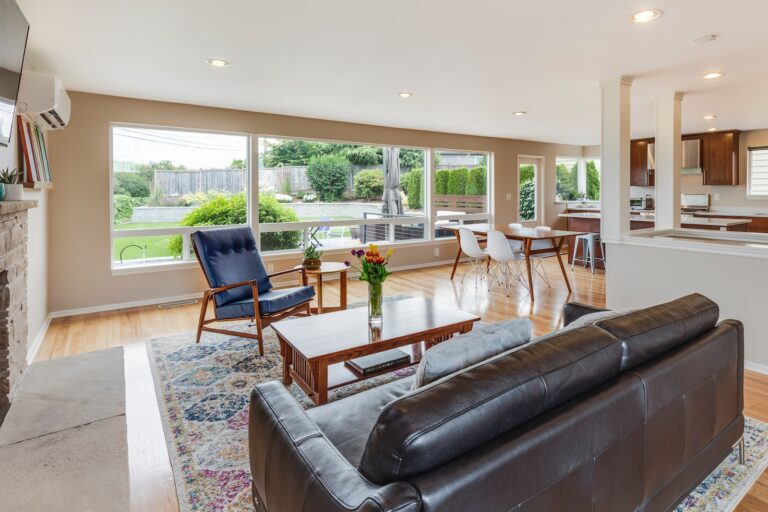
column 588, row 250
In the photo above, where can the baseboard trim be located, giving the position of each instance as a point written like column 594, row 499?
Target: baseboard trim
column 123, row 305
column 756, row 367
column 160, row 300
column 33, row 349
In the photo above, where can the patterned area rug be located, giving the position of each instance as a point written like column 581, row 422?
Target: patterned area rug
column 203, row 393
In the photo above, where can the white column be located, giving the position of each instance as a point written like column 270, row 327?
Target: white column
column 669, row 158
column 614, row 158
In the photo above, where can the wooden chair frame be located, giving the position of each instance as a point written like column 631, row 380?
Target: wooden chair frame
column 260, row 320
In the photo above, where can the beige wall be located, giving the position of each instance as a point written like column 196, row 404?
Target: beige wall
column 37, row 250
column 80, row 275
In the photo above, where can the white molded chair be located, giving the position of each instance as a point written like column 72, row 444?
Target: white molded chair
column 477, row 255
column 516, row 245
column 503, row 259
column 538, row 266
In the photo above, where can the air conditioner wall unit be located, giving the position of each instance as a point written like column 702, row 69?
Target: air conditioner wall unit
column 43, row 99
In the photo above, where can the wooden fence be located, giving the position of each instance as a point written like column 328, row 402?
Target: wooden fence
column 466, row 204
column 183, row 182
column 285, row 180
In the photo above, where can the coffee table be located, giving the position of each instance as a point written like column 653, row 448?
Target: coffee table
column 314, row 348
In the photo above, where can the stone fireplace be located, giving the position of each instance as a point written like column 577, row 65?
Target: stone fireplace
column 13, row 297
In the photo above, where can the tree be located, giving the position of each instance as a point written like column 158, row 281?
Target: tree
column 363, row 155
column 593, row 181
column 411, row 158
column 328, row 176
column 567, row 181
column 457, row 182
column 441, row 181
column 294, row 152
column 476, row 183
column 131, row 184
column 237, row 163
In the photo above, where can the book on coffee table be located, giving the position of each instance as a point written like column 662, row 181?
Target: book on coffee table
column 380, row 361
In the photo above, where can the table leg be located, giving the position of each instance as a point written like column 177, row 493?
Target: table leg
column 343, row 289
column 319, row 279
column 558, row 247
column 287, row 352
column 321, row 382
column 458, row 254
column 527, row 250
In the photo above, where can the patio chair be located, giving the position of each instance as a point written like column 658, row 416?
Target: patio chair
column 238, row 279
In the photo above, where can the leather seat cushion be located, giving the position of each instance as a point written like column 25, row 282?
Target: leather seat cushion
column 650, row 332
column 273, row 301
column 230, row 256
column 347, row 423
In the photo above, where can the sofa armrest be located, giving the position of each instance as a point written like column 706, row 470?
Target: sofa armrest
column 296, row 468
column 574, row 310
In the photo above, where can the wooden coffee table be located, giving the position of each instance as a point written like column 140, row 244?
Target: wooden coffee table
column 314, row 348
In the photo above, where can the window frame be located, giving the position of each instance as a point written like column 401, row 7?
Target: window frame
column 187, row 260
column 750, row 194
column 581, row 169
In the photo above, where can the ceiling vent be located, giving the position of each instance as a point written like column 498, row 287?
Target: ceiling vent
column 43, row 100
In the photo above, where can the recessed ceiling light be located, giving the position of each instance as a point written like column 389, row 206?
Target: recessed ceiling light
column 645, row 16
column 711, row 129
column 218, row 63
column 519, row 113
column 405, row 94
column 710, row 117
column 713, row 75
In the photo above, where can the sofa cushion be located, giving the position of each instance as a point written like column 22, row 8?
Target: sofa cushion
column 447, row 418
column 273, row 301
column 348, row 422
column 467, row 349
column 650, row 332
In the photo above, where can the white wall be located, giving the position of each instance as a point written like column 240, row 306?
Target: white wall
column 638, row 276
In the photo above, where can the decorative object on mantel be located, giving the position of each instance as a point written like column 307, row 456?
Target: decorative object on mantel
column 373, row 270
column 37, row 172
column 10, row 188
column 312, row 258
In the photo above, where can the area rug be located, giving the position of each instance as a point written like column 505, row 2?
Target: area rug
column 203, row 392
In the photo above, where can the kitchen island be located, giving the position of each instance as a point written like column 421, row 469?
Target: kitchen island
column 590, row 222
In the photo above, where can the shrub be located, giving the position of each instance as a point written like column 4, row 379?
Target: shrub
column 369, row 184
column 527, row 200
column 457, row 182
column 123, row 208
column 593, row 181
column 283, row 198
column 222, row 210
column 412, row 185
column 441, row 181
column 309, row 198
column 476, row 182
column 131, row 184
column 328, row 176
column 364, row 155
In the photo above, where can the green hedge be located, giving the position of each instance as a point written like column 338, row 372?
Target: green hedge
column 457, row 182
column 476, row 183
column 528, row 200
column 328, row 176
column 412, row 185
column 123, row 208
column 441, row 181
column 223, row 211
column 369, row 184
column 131, row 184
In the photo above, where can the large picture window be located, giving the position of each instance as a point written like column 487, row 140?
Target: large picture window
column 338, row 195
column 577, row 179
column 167, row 183
column 459, row 189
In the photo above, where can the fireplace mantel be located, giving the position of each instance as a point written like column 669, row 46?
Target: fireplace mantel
column 13, row 297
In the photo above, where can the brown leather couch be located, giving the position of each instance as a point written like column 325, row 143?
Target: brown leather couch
column 629, row 414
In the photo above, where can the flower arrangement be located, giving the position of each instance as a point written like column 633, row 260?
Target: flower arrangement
column 373, row 270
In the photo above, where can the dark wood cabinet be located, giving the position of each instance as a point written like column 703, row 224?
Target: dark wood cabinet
column 720, row 158
column 639, row 174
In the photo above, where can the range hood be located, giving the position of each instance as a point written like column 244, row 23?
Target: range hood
column 691, row 157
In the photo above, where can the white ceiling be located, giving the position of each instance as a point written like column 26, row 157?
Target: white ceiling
column 469, row 64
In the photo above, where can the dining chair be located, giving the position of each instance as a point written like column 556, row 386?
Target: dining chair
column 503, row 259
column 537, row 259
column 238, row 281
column 515, row 245
column 471, row 247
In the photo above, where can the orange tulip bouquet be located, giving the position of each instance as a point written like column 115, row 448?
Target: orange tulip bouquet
column 373, row 270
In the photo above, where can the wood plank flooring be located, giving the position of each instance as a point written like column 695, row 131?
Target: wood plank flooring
column 151, row 477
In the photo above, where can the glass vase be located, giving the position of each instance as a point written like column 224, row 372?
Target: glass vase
column 375, row 300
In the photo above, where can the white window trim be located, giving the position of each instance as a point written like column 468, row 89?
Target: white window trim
column 751, row 195
column 184, row 230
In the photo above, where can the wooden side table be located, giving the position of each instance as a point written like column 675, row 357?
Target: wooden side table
column 330, row 267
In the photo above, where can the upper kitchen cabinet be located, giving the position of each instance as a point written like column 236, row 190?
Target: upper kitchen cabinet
column 641, row 160
column 720, row 158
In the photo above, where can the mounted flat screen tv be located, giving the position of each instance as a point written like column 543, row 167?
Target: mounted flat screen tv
column 13, row 42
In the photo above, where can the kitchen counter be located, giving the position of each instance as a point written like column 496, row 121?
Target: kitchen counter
column 685, row 220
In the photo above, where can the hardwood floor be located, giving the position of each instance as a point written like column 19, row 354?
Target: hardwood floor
column 151, row 477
